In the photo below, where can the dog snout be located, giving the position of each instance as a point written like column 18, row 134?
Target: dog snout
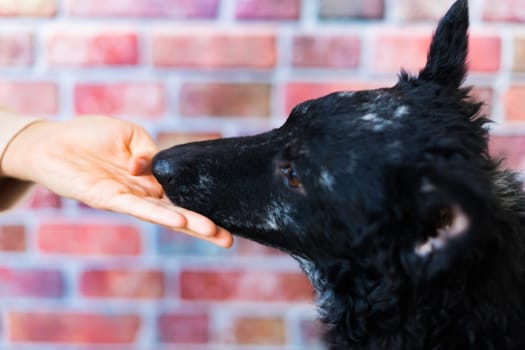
column 162, row 170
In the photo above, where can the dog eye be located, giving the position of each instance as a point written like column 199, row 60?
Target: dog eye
column 291, row 178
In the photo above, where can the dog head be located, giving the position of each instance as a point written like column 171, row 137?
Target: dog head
column 396, row 177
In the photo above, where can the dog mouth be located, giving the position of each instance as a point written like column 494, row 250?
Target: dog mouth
column 453, row 223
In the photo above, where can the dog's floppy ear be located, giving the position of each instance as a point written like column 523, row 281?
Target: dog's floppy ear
column 448, row 50
column 443, row 219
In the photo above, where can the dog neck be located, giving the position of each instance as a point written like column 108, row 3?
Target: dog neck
column 358, row 303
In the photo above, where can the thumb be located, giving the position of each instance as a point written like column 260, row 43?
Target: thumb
column 142, row 150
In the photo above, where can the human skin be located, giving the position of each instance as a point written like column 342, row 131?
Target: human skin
column 105, row 163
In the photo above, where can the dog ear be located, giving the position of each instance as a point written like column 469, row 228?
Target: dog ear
column 442, row 220
column 448, row 50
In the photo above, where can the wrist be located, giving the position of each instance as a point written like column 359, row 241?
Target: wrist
column 20, row 157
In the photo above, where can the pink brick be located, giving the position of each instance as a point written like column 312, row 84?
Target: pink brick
column 397, row 49
column 16, row 283
column 365, row 9
column 12, row 238
column 29, row 97
column 142, row 284
column 126, row 99
column 259, row 331
column 208, row 48
column 299, row 92
column 484, row 53
column 16, row 49
column 311, row 333
column 244, row 247
column 169, row 139
column 296, row 93
column 394, row 49
column 144, row 8
column 510, row 147
column 324, row 51
column 484, row 95
column 504, row 10
column 216, row 99
column 28, row 8
column 245, row 286
column 184, row 328
column 71, row 327
column 268, row 9
column 67, row 48
column 415, row 10
column 514, row 100
column 519, row 54
column 41, row 198
column 88, row 239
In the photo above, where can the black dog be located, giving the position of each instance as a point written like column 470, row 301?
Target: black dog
column 412, row 235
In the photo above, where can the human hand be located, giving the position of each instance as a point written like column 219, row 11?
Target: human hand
column 104, row 163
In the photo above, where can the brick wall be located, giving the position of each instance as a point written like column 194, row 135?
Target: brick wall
column 72, row 277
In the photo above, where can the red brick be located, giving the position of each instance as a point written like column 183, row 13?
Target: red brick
column 169, row 139
column 12, row 238
column 268, row 9
column 30, row 283
column 259, row 331
column 311, row 332
column 323, row 51
column 245, row 286
column 299, row 92
column 364, row 9
column 244, row 247
column 16, row 49
column 510, row 147
column 28, row 8
column 504, row 10
column 484, row 53
column 122, row 284
column 519, row 54
column 216, row 99
column 74, row 328
column 515, row 104
column 208, row 48
column 184, row 328
column 68, row 48
column 89, row 239
column 41, row 198
column 125, row 99
column 484, row 95
column 415, row 10
column 144, row 8
column 29, row 97
column 397, row 49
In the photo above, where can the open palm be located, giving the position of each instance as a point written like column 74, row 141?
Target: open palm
column 105, row 163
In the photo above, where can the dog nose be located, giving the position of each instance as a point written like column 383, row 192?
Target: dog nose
column 162, row 170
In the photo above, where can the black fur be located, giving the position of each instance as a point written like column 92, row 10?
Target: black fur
column 412, row 235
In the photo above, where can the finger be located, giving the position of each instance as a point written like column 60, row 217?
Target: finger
column 145, row 186
column 163, row 213
column 139, row 165
column 222, row 238
column 148, row 209
column 142, row 145
column 197, row 222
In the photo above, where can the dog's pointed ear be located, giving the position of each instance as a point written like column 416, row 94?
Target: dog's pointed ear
column 446, row 62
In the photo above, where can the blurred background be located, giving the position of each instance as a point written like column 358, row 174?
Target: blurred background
column 75, row 278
